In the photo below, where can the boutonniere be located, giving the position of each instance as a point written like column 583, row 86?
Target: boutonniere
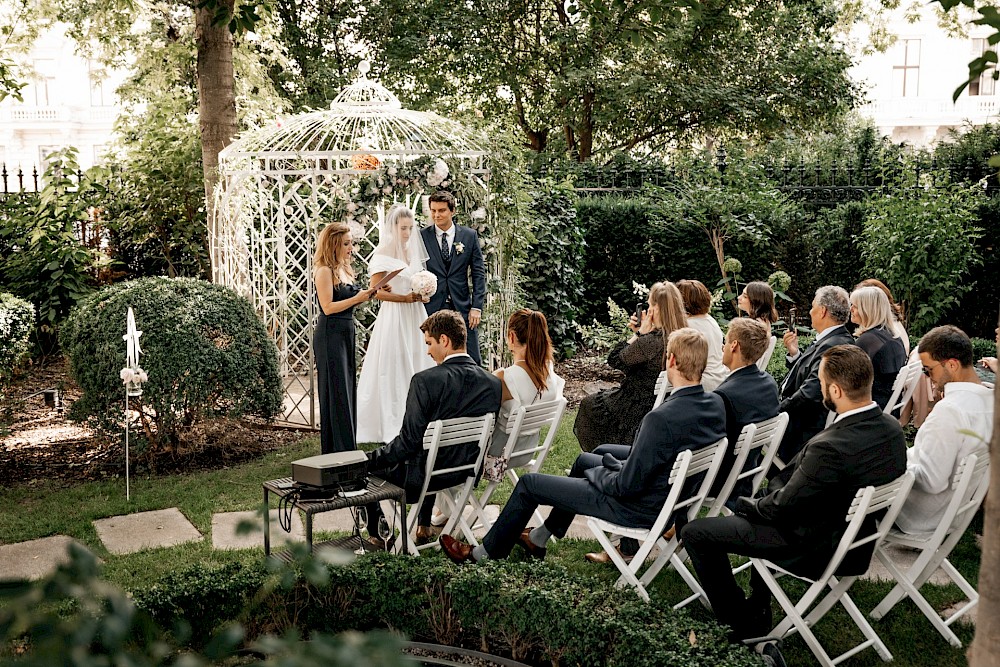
column 459, row 248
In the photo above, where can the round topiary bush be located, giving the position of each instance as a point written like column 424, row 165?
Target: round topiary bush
column 204, row 349
column 17, row 319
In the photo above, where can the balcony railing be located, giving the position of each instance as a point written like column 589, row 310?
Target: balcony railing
column 978, row 109
column 23, row 115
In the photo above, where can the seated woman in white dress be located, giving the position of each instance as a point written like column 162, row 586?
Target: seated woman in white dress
column 697, row 303
column 531, row 379
column 396, row 349
column 757, row 301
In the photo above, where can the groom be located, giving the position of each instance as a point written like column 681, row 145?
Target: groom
column 454, row 255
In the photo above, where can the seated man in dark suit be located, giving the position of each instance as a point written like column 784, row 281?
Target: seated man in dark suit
column 630, row 493
column 456, row 387
column 801, row 397
column 801, row 519
column 749, row 394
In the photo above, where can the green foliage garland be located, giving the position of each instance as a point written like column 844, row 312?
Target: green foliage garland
column 204, row 349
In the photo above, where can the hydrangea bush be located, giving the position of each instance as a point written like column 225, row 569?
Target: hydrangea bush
column 17, row 319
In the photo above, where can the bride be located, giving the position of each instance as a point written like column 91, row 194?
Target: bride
column 396, row 348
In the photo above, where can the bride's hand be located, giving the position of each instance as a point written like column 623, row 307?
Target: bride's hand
column 415, row 297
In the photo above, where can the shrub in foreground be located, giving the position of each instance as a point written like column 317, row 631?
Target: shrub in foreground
column 205, row 351
column 535, row 612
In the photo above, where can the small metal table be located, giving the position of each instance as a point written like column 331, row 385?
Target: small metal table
column 376, row 490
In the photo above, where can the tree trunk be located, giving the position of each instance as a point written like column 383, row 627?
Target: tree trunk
column 985, row 648
column 216, row 108
column 587, row 128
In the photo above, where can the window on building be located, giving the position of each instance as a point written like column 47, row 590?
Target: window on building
column 98, row 91
column 44, row 82
column 906, row 70
column 985, row 84
column 43, row 157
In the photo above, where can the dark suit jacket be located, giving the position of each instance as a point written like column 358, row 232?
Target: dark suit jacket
column 456, row 388
column 809, row 499
column 750, row 396
column 453, row 278
column 689, row 418
column 801, row 396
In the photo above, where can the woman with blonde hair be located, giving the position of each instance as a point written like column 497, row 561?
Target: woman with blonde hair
column 897, row 312
column 872, row 312
column 613, row 415
column 333, row 339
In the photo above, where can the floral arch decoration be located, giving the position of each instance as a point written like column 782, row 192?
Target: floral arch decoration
column 280, row 185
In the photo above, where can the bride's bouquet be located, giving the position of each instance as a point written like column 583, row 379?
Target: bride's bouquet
column 424, row 283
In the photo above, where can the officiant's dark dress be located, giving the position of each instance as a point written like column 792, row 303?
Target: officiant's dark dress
column 336, row 375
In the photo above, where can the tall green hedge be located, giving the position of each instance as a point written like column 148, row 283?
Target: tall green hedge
column 204, row 349
column 552, row 275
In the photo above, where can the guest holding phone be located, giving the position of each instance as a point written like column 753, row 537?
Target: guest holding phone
column 613, row 415
column 333, row 340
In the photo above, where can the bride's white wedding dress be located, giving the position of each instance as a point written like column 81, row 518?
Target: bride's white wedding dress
column 395, row 352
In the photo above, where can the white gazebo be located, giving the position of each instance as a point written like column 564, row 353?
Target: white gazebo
column 279, row 185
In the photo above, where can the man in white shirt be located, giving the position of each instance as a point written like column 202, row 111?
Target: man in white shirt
column 945, row 438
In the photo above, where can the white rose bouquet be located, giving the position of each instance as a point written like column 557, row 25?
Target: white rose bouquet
column 424, row 283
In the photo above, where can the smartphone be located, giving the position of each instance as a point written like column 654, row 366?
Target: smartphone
column 639, row 310
column 791, row 318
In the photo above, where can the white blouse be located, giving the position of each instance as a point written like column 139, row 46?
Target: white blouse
column 715, row 371
column 524, row 392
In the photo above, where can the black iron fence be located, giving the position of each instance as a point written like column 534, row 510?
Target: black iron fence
column 24, row 183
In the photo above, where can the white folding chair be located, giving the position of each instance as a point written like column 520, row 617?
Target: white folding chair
column 903, row 386
column 868, row 501
column 968, row 487
column 767, row 435
column 440, row 435
column 662, row 389
column 687, row 465
column 526, row 420
column 765, row 358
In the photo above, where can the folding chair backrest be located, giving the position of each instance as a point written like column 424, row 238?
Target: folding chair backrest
column 445, row 433
column 765, row 358
column 904, row 386
column 706, row 460
column 662, row 389
column 968, row 486
column 528, row 420
column 870, row 500
column 768, row 434
column 744, row 445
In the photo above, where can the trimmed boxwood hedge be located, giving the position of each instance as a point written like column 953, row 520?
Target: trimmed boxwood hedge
column 534, row 612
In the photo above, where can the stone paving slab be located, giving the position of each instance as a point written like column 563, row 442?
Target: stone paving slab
column 145, row 530
column 578, row 530
column 342, row 521
column 226, row 537
column 903, row 558
column 35, row 559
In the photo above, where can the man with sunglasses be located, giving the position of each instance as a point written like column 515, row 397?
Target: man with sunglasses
column 960, row 424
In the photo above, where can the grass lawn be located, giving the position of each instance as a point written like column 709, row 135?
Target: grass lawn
column 41, row 509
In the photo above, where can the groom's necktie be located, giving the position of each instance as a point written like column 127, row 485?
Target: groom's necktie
column 445, row 252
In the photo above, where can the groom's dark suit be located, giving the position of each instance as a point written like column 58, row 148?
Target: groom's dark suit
column 458, row 387
column 801, row 395
column 453, row 278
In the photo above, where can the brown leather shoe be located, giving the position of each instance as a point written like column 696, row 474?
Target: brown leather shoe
column 605, row 557
column 529, row 546
column 426, row 534
column 458, row 552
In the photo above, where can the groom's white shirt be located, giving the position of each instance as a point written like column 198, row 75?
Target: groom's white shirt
column 456, row 355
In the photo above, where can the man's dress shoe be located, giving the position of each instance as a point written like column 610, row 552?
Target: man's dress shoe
column 529, row 546
column 605, row 557
column 425, row 534
column 458, row 552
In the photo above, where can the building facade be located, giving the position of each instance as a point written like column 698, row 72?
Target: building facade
column 909, row 87
column 69, row 101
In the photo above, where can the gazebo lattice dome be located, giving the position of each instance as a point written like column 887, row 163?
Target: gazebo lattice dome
column 280, row 184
